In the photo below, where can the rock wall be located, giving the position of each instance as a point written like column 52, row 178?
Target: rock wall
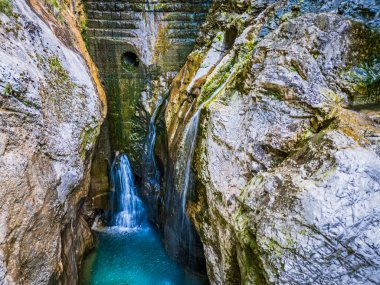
column 285, row 174
column 51, row 109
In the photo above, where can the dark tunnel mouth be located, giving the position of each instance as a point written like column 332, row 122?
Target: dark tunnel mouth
column 230, row 37
column 130, row 59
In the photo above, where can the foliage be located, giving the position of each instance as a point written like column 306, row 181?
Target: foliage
column 83, row 30
column 56, row 8
column 8, row 90
column 57, row 69
column 6, row 7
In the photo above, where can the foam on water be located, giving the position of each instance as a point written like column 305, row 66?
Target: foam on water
column 127, row 207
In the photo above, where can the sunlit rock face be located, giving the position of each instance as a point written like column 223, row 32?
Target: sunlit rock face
column 286, row 171
column 50, row 115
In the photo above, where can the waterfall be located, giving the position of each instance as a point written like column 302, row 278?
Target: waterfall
column 127, row 207
column 186, row 152
column 152, row 173
column 182, row 240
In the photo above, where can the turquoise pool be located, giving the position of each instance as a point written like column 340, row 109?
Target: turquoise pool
column 134, row 257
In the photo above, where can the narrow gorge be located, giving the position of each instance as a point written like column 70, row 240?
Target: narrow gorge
column 189, row 142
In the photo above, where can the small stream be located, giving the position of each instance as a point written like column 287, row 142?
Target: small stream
column 129, row 250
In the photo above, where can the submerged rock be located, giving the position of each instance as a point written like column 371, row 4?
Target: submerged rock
column 286, row 172
column 50, row 115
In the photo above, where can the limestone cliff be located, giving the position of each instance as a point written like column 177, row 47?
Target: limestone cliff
column 50, row 113
column 285, row 172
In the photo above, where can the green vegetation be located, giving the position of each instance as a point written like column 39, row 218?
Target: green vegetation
column 303, row 232
column 159, row 6
column 236, row 21
column 274, row 94
column 250, row 46
column 8, row 90
column 12, row 27
column 56, row 7
column 364, row 79
column 212, row 84
column 294, row 69
column 6, row 7
column 88, row 137
column 57, row 69
column 55, row 64
column 286, row 17
column 59, row 87
column 363, row 68
column 315, row 54
column 128, row 67
column 291, row 243
column 219, row 37
column 54, row 3
column 83, row 31
column 332, row 96
column 139, row 7
column 60, row 79
column 274, row 247
column 366, row 74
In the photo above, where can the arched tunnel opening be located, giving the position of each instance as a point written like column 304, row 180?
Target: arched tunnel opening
column 130, row 59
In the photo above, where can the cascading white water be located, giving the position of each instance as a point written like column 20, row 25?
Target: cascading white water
column 153, row 173
column 186, row 153
column 127, row 207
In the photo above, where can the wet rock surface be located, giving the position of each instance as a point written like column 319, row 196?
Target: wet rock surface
column 50, row 115
column 285, row 174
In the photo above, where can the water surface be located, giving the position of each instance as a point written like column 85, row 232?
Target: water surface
column 129, row 251
column 133, row 258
